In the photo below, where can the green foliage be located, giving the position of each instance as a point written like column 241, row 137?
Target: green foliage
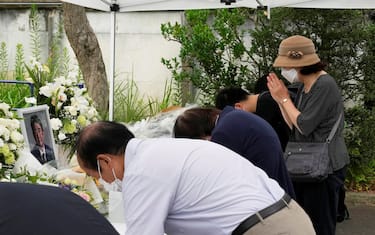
column 367, row 82
column 340, row 47
column 129, row 104
column 35, row 42
column 360, row 141
column 215, row 52
column 57, row 54
column 3, row 61
column 40, row 75
column 156, row 105
column 65, row 61
column 212, row 50
column 14, row 94
column 19, row 65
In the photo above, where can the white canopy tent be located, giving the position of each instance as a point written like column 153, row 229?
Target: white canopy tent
column 114, row 6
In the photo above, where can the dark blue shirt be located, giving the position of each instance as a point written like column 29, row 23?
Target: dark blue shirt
column 46, row 210
column 253, row 138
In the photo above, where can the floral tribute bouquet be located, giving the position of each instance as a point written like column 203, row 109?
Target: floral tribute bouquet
column 28, row 170
column 73, row 186
column 11, row 139
column 70, row 108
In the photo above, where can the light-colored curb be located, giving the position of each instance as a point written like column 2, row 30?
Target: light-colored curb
column 365, row 198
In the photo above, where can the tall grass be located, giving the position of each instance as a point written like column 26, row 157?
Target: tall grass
column 19, row 66
column 3, row 61
column 12, row 94
column 35, row 42
column 156, row 105
column 130, row 106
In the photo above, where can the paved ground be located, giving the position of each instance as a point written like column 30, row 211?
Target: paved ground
column 362, row 212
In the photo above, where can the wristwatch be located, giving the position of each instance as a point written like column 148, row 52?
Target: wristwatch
column 283, row 101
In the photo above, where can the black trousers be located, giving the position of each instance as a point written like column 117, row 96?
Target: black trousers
column 320, row 201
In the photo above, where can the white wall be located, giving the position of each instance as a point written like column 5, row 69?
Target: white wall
column 139, row 47
column 139, row 43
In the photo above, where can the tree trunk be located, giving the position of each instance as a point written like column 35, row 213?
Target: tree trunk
column 86, row 48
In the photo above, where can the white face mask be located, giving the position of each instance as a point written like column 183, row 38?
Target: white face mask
column 290, row 74
column 116, row 185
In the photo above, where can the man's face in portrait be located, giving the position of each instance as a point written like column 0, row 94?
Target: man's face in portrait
column 38, row 134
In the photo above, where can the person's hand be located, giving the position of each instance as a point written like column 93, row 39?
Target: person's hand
column 277, row 88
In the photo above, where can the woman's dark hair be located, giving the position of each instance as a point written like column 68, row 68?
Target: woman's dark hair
column 306, row 70
column 230, row 96
column 102, row 137
column 195, row 123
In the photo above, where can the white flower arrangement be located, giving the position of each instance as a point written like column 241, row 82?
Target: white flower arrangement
column 11, row 139
column 71, row 108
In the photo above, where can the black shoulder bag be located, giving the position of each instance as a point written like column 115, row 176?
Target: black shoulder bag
column 309, row 161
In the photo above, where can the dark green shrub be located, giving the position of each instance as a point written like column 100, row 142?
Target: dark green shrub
column 360, row 141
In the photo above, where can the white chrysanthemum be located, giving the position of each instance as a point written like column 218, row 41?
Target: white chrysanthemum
column 56, row 124
column 72, row 110
column 16, row 137
column 5, row 133
column 12, row 146
column 2, row 128
column 61, row 136
column 5, row 107
column 1, row 144
column 91, row 113
column 78, row 91
column 79, row 101
column 10, row 124
column 30, row 100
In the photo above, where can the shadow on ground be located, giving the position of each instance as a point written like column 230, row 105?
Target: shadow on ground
column 362, row 215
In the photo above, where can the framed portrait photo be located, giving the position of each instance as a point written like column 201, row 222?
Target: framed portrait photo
column 37, row 131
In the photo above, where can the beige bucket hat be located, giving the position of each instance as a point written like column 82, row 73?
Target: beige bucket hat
column 296, row 51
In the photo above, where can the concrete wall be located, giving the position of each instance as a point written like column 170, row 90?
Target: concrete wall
column 139, row 43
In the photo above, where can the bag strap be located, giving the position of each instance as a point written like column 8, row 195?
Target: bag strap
column 334, row 129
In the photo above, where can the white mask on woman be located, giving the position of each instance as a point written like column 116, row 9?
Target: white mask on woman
column 290, row 74
column 116, row 185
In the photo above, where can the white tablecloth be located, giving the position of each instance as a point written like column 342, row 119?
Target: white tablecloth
column 120, row 227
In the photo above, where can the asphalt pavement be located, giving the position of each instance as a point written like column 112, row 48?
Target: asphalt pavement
column 362, row 215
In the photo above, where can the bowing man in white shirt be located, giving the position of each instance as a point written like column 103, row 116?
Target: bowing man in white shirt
column 185, row 186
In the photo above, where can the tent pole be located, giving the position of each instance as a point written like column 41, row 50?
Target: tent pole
column 112, row 65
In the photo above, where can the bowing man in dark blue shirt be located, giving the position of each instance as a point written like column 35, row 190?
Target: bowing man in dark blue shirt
column 46, row 210
column 241, row 131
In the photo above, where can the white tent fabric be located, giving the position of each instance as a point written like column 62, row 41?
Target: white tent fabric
column 162, row 5
column 335, row 4
column 159, row 5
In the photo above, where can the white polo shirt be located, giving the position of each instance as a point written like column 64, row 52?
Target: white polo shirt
column 191, row 187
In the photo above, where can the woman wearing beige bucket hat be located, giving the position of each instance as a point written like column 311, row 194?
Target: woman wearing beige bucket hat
column 316, row 108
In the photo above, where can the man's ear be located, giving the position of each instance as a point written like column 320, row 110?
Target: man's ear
column 238, row 105
column 104, row 159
